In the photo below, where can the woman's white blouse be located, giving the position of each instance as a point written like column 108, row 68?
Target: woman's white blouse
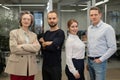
column 74, row 48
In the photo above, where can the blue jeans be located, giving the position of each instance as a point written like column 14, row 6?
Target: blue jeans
column 97, row 70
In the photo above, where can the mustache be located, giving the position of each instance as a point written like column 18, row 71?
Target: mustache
column 52, row 25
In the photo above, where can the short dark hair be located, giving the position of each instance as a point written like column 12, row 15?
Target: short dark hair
column 26, row 12
column 53, row 11
column 96, row 8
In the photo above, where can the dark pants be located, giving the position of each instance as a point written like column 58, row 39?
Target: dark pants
column 79, row 65
column 16, row 77
column 51, row 73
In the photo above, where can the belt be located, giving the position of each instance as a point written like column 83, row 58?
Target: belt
column 92, row 58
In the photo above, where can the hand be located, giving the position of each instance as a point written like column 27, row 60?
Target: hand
column 97, row 61
column 47, row 43
column 19, row 46
column 35, row 42
column 41, row 40
column 77, row 75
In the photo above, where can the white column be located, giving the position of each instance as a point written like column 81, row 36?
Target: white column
column 59, row 15
column 105, row 12
column 49, row 5
column 93, row 3
column 88, row 8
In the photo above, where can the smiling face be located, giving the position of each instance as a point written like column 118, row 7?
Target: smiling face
column 73, row 27
column 26, row 20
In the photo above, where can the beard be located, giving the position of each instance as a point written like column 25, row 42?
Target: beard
column 52, row 25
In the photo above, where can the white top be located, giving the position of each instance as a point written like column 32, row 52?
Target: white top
column 74, row 48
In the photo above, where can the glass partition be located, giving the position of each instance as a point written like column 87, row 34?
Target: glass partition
column 8, row 21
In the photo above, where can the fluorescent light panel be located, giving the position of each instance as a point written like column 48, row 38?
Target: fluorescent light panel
column 6, row 7
column 72, row 10
column 25, row 5
column 77, row 5
column 101, row 2
column 84, row 9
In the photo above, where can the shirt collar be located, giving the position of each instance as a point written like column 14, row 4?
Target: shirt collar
column 71, row 35
column 24, row 31
column 98, row 25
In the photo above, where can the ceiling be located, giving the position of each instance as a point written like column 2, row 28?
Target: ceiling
column 31, row 4
column 64, row 4
column 38, row 1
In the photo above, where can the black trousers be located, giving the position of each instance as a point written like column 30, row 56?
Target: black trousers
column 51, row 73
column 79, row 65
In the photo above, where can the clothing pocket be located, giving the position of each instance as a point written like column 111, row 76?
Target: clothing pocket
column 13, row 58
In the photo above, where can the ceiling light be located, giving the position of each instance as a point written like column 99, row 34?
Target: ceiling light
column 6, row 7
column 101, row 2
column 77, row 5
column 72, row 10
column 25, row 5
column 84, row 9
column 82, row 5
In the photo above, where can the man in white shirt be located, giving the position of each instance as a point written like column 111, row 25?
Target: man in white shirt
column 101, row 45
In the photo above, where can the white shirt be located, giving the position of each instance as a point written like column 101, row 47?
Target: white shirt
column 101, row 41
column 74, row 48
